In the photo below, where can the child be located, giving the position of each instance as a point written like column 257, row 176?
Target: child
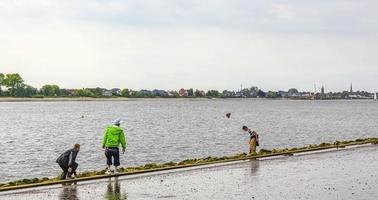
column 253, row 140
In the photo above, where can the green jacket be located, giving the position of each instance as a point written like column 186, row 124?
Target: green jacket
column 114, row 136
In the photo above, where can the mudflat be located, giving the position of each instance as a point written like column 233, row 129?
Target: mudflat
column 345, row 174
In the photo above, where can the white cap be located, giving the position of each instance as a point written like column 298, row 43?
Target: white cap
column 117, row 122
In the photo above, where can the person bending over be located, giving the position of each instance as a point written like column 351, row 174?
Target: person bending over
column 253, row 140
column 67, row 162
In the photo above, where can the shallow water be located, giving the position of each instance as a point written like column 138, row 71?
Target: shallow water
column 33, row 134
column 342, row 174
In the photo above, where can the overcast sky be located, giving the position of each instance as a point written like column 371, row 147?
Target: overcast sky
column 213, row 44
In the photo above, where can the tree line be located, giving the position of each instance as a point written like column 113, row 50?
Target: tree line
column 13, row 85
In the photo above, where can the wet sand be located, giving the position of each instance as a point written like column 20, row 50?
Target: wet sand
column 344, row 174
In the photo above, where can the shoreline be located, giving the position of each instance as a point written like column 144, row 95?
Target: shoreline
column 62, row 99
column 188, row 163
column 335, row 179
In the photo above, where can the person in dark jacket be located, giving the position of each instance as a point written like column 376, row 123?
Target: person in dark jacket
column 67, row 162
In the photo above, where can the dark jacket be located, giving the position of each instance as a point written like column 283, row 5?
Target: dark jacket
column 67, row 159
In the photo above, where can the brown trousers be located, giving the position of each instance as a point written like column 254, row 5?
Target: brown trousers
column 252, row 146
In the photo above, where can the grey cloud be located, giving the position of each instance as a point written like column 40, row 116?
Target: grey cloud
column 266, row 16
column 205, row 44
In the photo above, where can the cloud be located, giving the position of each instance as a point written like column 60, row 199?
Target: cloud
column 203, row 44
column 240, row 14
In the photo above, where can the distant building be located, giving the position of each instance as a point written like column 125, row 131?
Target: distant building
column 145, row 92
column 170, row 94
column 306, row 94
column 283, row 93
column 228, row 93
column 70, row 92
column 160, row 93
column 107, row 93
column 322, row 91
column 238, row 94
column 183, row 92
column 199, row 93
column 116, row 91
column 351, row 88
column 354, row 96
column 132, row 92
column 254, row 91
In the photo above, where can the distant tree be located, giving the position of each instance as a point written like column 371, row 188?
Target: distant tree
column 12, row 80
column 213, row 93
column 143, row 94
column 147, row 94
column 83, row 93
column 199, row 93
column 23, row 91
column 227, row 93
column 125, row 92
column 261, row 93
column 292, row 91
column 50, row 90
column 46, row 90
column 97, row 92
column 190, row 92
column 55, row 90
column 272, row 94
column 63, row 92
column 1, row 83
column 29, row 91
column 2, row 77
column 15, row 84
column 135, row 93
column 250, row 92
column 174, row 93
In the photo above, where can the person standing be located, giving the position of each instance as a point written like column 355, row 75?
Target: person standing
column 67, row 162
column 113, row 137
column 253, row 140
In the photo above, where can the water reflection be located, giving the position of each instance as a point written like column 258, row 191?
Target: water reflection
column 255, row 165
column 114, row 190
column 251, row 173
column 69, row 192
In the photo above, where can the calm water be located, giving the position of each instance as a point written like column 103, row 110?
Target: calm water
column 33, row 134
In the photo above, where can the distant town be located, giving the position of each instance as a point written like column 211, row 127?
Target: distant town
column 13, row 85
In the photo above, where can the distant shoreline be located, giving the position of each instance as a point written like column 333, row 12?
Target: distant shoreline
column 61, row 99
column 53, row 99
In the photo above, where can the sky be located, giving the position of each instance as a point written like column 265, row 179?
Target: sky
column 213, row 44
